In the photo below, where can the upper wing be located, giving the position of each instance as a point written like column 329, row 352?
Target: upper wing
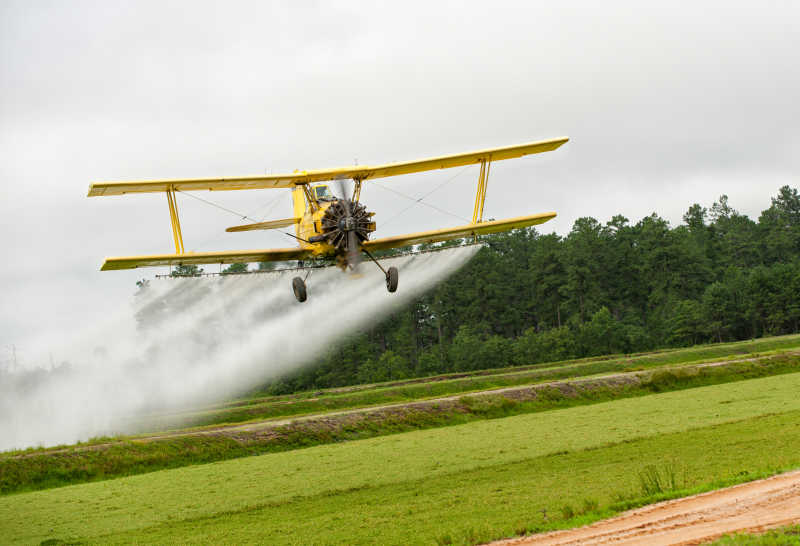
column 195, row 258
column 437, row 235
column 460, row 160
column 362, row 172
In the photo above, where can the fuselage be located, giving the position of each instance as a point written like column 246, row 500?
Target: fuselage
column 326, row 222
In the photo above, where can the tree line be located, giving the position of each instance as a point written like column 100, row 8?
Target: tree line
column 617, row 287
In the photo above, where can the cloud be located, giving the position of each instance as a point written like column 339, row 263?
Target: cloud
column 665, row 105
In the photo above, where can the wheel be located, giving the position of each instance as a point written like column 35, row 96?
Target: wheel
column 391, row 279
column 299, row 289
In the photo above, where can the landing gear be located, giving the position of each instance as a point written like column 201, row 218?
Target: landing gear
column 299, row 289
column 392, row 276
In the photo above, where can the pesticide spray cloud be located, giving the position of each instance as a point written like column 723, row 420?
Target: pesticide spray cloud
column 188, row 342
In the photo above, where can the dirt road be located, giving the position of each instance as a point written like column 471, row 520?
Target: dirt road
column 750, row 507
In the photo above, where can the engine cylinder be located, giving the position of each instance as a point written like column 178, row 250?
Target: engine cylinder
column 342, row 218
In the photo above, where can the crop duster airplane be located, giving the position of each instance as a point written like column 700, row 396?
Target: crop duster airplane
column 327, row 226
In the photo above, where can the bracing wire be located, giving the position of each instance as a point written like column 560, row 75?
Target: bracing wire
column 238, row 214
column 273, row 202
column 421, row 199
column 268, row 207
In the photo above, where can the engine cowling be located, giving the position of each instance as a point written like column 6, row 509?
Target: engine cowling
column 344, row 217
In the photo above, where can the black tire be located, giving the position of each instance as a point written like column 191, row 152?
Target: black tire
column 299, row 289
column 392, row 276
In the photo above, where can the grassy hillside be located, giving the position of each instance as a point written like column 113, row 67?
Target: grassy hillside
column 455, row 484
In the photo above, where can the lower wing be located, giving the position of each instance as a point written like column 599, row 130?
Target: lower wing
column 459, row 232
column 196, row 258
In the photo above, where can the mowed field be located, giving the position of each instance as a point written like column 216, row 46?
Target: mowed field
column 778, row 537
column 451, row 485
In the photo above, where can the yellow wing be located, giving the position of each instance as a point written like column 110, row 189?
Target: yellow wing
column 459, row 232
column 362, row 172
column 196, row 258
column 272, row 224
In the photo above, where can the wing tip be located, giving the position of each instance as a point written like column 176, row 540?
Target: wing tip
column 557, row 143
column 117, row 264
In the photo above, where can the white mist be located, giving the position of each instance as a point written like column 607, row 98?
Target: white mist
column 200, row 340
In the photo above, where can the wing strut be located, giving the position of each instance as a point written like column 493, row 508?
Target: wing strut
column 313, row 204
column 480, row 197
column 175, row 221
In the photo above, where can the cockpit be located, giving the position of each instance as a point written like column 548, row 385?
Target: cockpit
column 323, row 193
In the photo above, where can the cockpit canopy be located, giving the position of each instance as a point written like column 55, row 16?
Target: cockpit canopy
column 323, row 193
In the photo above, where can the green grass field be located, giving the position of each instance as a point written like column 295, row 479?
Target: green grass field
column 786, row 536
column 259, row 407
column 459, row 484
column 40, row 469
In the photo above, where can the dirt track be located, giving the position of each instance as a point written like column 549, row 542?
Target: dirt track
column 750, row 507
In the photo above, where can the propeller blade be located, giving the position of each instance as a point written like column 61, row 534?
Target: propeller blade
column 342, row 192
column 353, row 252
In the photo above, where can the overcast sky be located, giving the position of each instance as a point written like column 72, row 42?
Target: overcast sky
column 666, row 104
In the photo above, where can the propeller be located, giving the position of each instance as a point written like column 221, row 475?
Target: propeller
column 348, row 225
column 345, row 225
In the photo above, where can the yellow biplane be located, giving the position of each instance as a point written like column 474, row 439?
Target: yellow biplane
column 326, row 226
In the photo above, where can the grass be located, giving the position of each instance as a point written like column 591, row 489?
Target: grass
column 464, row 484
column 40, row 470
column 655, row 481
column 784, row 536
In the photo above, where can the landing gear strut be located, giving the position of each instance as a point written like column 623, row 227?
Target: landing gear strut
column 392, row 275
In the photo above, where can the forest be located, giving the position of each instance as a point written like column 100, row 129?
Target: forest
column 617, row 287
